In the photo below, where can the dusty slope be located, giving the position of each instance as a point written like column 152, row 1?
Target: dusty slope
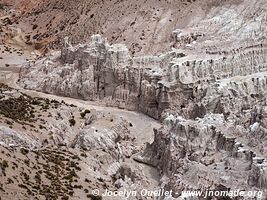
column 144, row 25
column 45, row 156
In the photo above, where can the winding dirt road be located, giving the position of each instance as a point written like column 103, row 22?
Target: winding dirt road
column 142, row 125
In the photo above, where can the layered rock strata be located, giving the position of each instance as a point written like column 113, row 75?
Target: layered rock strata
column 150, row 84
column 208, row 154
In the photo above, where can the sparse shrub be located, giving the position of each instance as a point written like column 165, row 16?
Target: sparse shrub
column 26, row 176
column 78, row 187
column 87, row 111
column 34, row 26
column 72, row 122
column 93, row 197
column 42, row 127
column 9, row 122
column 24, row 151
column 83, row 114
column 83, row 155
column 9, row 181
column 100, row 179
column 71, row 175
column 22, row 186
column 4, row 164
column 76, row 157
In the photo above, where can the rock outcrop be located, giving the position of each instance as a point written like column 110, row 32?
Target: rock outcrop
column 208, row 153
column 150, row 84
column 98, row 71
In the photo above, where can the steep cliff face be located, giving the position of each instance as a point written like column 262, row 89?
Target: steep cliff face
column 208, row 153
column 151, row 84
column 99, row 71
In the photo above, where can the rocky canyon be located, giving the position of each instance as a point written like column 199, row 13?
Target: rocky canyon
column 126, row 96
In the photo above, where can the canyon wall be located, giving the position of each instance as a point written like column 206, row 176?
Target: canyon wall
column 150, row 84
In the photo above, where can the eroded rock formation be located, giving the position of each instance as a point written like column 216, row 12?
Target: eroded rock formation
column 209, row 90
column 208, row 153
column 98, row 71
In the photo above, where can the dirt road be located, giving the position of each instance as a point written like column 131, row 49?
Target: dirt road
column 142, row 125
